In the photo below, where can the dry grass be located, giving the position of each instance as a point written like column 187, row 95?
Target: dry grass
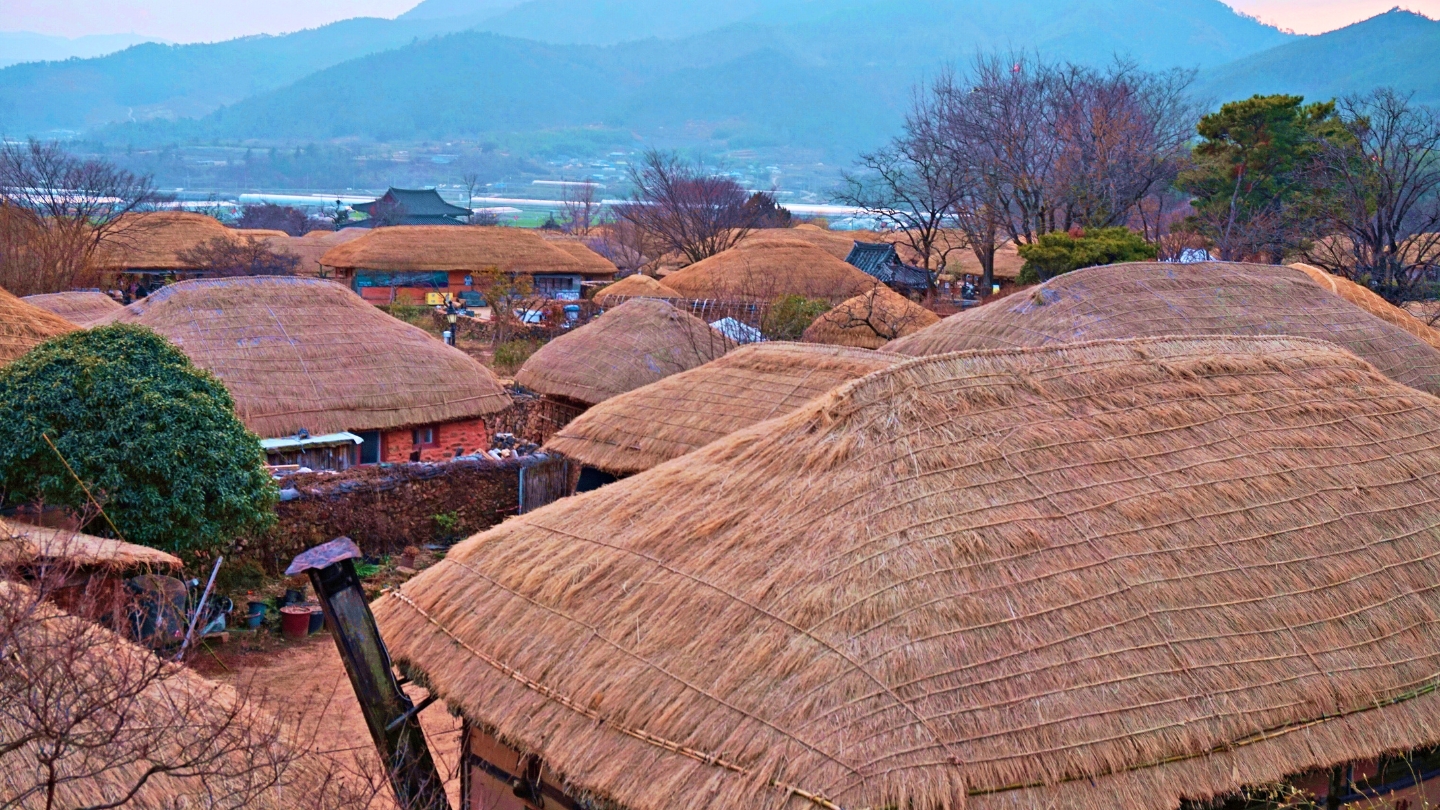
column 81, row 308
column 307, row 353
column 633, row 432
column 634, row 344
column 768, row 267
column 23, row 326
column 870, row 321
column 1151, row 299
column 636, row 286
column 1088, row 576
column 469, row 249
column 597, row 266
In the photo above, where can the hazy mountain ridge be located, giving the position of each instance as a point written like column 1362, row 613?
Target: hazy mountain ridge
column 28, row 46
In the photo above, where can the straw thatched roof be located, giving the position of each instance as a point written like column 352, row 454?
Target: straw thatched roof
column 636, row 286
column 1210, row 298
column 469, row 249
column 260, row 233
column 308, row 353
column 155, row 240
column 666, row 419
column 596, row 266
column 871, row 320
column 1087, row 576
column 23, row 543
column 632, row 345
column 23, row 326
column 1367, row 300
column 764, row 269
column 79, row 307
column 312, row 246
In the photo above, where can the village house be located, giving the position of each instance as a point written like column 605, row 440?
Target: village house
column 404, row 206
column 881, row 261
column 326, row 380
column 148, row 248
column 407, row 263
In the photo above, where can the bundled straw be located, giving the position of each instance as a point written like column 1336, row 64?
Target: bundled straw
column 81, row 308
column 645, row 427
column 1087, row 576
column 23, row 326
column 307, row 353
column 870, row 321
column 1210, row 298
column 634, row 344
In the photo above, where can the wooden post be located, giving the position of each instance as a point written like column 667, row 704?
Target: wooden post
column 391, row 717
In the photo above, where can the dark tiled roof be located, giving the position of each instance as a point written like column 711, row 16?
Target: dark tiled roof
column 420, row 203
column 879, row 259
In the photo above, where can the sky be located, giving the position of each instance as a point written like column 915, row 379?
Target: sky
column 210, row 20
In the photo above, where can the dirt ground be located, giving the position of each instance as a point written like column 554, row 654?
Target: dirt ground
column 304, row 683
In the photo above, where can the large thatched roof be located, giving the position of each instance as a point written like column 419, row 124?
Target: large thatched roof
column 1087, row 576
column 308, row 353
column 596, row 266
column 312, row 246
column 23, row 326
column 632, row 345
column 1211, row 298
column 470, row 249
column 80, row 307
column 24, row 543
column 155, row 240
column 870, row 320
column 768, row 267
column 653, row 424
column 635, row 286
column 1367, row 300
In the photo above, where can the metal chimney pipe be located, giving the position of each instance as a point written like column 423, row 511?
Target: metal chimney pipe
column 392, row 718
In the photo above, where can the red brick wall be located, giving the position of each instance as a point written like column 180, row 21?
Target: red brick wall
column 468, row 435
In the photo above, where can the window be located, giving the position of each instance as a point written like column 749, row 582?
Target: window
column 554, row 286
column 424, row 437
column 370, row 446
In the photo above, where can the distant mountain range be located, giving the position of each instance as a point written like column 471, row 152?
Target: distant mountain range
column 26, row 46
column 830, row 74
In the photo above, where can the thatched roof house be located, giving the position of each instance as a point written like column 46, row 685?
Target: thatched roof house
column 635, row 431
column 312, row 246
column 21, row 543
column 442, row 258
column 1210, row 298
column 151, row 243
column 81, row 307
column 1367, row 300
column 634, row 344
column 597, row 266
column 764, row 269
column 870, row 320
column 1088, row 576
column 307, row 354
column 23, row 326
column 635, row 286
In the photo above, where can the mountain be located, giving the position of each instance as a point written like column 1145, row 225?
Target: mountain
column 28, row 46
column 1400, row 49
column 185, row 81
column 442, row 9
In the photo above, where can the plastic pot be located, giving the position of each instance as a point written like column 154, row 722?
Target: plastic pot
column 317, row 619
column 254, row 615
column 295, row 622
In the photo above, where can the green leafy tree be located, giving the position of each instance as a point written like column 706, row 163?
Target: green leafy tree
column 790, row 315
column 1252, row 181
column 154, row 440
column 1061, row 252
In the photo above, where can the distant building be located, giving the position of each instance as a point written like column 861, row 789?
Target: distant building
column 881, row 261
column 404, row 206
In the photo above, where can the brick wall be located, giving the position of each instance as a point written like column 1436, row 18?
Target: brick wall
column 466, row 435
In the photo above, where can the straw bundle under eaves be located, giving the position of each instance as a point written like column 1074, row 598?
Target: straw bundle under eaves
column 666, row 419
column 634, row 344
column 763, row 269
column 1210, row 298
column 870, row 320
column 308, row 353
column 23, row 326
column 1367, row 300
column 635, row 286
column 1080, row 577
column 80, row 307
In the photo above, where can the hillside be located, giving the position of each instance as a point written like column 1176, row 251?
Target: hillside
column 1399, row 49
column 27, row 46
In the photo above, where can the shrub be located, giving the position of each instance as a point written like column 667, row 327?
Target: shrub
column 154, row 439
column 791, row 315
column 512, row 354
column 1060, row 252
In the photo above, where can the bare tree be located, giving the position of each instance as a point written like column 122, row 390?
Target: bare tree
column 222, row 257
column 472, row 182
column 56, row 213
column 685, row 210
column 387, row 213
column 626, row 245
column 579, row 209
column 1380, row 206
column 873, row 315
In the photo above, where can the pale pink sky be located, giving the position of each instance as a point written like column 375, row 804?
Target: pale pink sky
column 202, row 20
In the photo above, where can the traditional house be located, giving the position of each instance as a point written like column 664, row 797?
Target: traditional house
column 635, row 286
column 23, row 326
column 305, row 358
column 870, row 320
column 1098, row 575
column 880, row 261
column 625, row 435
column 1208, row 298
column 80, row 307
column 148, row 248
column 764, row 269
column 634, row 344
column 406, row 263
column 404, row 206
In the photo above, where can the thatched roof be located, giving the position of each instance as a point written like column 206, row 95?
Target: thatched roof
column 1211, row 298
column 666, row 419
column 632, row 345
column 308, row 353
column 763, row 269
column 1367, row 300
column 260, row 233
column 81, row 308
column 23, row 543
column 469, row 249
column 1087, row 576
column 871, row 320
column 155, row 240
column 312, row 246
column 636, row 286
column 596, row 266
column 23, row 326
